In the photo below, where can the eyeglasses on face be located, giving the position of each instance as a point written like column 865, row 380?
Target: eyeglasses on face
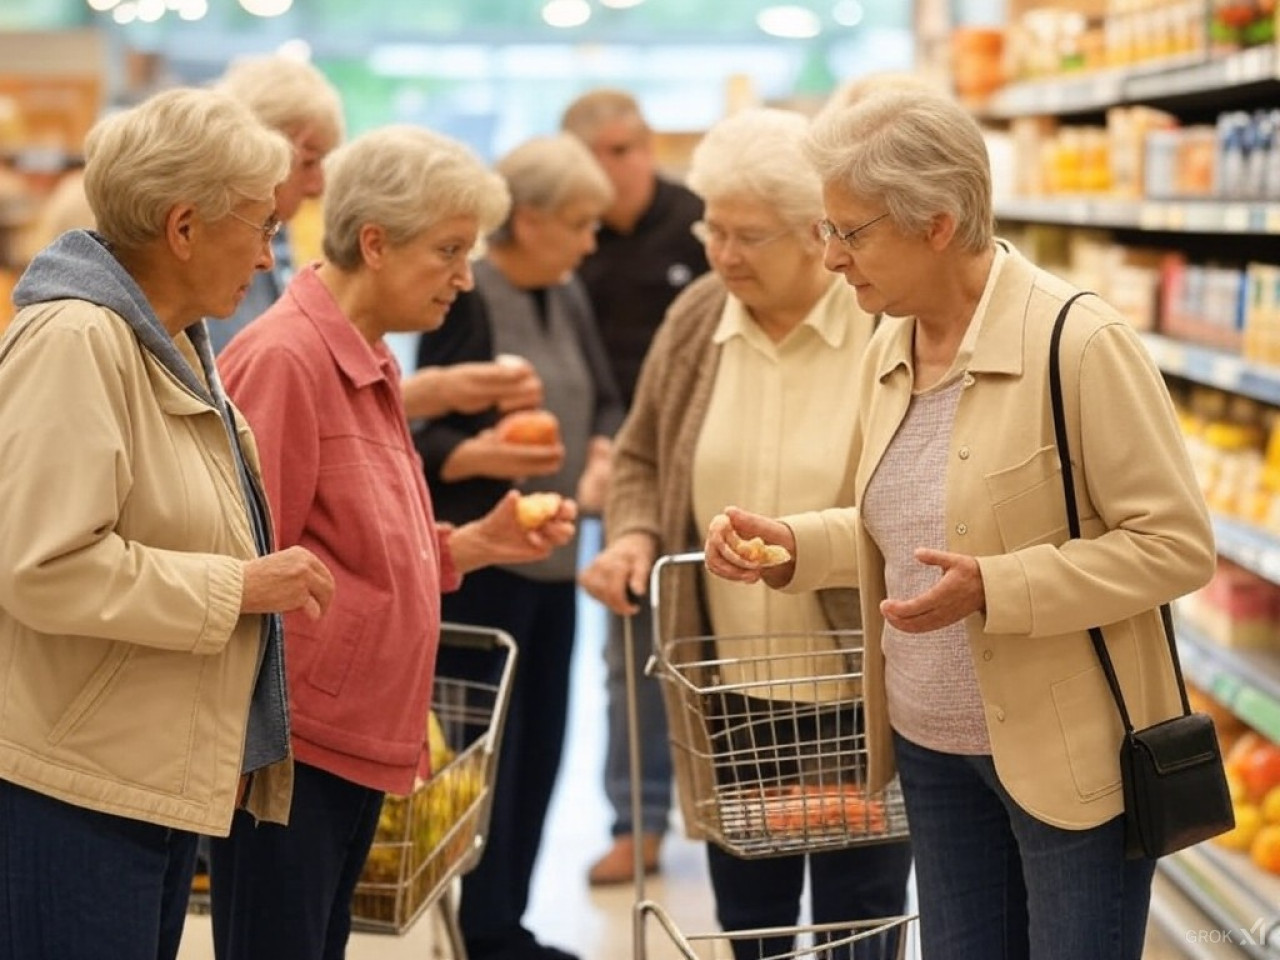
column 268, row 229
column 712, row 236
column 826, row 230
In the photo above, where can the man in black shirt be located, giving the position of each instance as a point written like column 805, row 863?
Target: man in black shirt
column 645, row 255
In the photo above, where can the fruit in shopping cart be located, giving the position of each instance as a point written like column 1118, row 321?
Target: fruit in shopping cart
column 757, row 551
column 532, row 427
column 535, row 509
column 844, row 807
column 1260, row 770
column 437, row 745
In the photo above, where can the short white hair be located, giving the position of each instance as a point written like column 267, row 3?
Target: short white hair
column 183, row 145
column 406, row 180
column 547, row 173
column 759, row 153
column 286, row 94
column 917, row 151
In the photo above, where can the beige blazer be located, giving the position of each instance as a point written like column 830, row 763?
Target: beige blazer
column 1146, row 538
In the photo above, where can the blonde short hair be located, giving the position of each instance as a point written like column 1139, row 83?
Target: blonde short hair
column 180, row 146
column 586, row 115
column 759, row 153
column 547, row 173
column 406, row 180
column 917, row 151
column 286, row 94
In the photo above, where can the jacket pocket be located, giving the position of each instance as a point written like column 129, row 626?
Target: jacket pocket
column 134, row 718
column 1027, row 501
column 338, row 649
column 1091, row 731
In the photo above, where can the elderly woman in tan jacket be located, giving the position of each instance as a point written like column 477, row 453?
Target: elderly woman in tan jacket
column 753, row 368
column 142, row 689
column 981, row 680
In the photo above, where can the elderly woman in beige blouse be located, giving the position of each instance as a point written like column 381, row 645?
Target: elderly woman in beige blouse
column 980, row 682
column 748, row 396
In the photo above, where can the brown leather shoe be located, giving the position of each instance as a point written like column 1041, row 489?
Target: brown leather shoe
column 616, row 865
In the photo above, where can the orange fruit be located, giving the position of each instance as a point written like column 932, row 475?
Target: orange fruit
column 533, row 427
column 535, row 509
column 1265, row 849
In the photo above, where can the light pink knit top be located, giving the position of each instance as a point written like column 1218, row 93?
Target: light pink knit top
column 930, row 683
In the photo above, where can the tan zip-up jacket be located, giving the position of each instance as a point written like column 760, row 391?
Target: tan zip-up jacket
column 1146, row 538
column 125, row 666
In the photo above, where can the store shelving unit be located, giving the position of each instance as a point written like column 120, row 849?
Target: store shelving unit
column 1215, row 904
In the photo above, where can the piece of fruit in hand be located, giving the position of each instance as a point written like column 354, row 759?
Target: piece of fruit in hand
column 765, row 554
column 532, row 427
column 535, row 509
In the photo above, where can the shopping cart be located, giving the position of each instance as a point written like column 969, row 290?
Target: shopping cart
column 426, row 841
column 770, row 758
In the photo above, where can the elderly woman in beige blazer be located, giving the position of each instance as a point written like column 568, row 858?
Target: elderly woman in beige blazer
column 981, row 681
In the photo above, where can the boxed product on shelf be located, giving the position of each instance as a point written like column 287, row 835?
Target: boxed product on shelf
column 1261, row 343
column 1127, row 130
column 1203, row 303
column 1237, row 608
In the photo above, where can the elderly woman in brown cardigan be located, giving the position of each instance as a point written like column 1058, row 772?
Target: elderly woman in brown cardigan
column 746, row 397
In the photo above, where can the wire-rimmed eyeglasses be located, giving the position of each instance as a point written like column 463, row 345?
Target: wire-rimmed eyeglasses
column 268, row 229
column 826, row 230
column 713, row 236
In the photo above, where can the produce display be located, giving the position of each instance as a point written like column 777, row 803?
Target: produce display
column 1253, row 776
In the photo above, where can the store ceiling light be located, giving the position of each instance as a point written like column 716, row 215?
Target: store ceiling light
column 193, row 9
column 267, row 8
column 295, row 49
column 565, row 13
column 149, row 11
column 847, row 13
column 126, row 12
column 620, row 4
column 789, row 22
column 102, row 6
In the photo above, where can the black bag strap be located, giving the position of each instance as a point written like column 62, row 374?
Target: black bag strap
column 1073, row 525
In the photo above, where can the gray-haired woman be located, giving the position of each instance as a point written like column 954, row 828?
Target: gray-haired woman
column 526, row 302
column 747, row 396
column 981, row 682
column 143, row 687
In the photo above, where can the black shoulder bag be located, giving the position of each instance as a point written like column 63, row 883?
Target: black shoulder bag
column 1175, row 787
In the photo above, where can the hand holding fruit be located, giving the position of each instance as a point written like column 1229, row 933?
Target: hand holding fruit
column 735, row 531
column 500, row 536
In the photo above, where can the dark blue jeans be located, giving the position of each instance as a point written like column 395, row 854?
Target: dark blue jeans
column 284, row 893
column 995, row 883
column 76, row 884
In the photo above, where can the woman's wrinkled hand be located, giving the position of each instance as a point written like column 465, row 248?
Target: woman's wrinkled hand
column 620, row 573
column 725, row 537
column 958, row 593
column 499, row 538
column 287, row 580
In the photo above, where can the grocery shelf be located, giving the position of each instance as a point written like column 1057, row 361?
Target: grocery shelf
column 1157, row 84
column 1241, row 900
column 1246, row 682
column 1187, row 928
column 1172, row 216
column 1215, row 368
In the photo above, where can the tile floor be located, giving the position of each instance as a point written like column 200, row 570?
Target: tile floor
column 596, row 924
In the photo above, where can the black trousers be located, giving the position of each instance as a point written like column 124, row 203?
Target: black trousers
column 284, row 893
column 541, row 617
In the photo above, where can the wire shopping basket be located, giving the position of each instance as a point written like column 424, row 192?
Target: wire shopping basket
column 426, row 840
column 771, row 751
column 770, row 756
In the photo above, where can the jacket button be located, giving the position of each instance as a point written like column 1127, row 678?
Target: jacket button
column 987, row 654
column 1000, row 715
column 964, row 453
column 962, row 528
column 968, row 380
